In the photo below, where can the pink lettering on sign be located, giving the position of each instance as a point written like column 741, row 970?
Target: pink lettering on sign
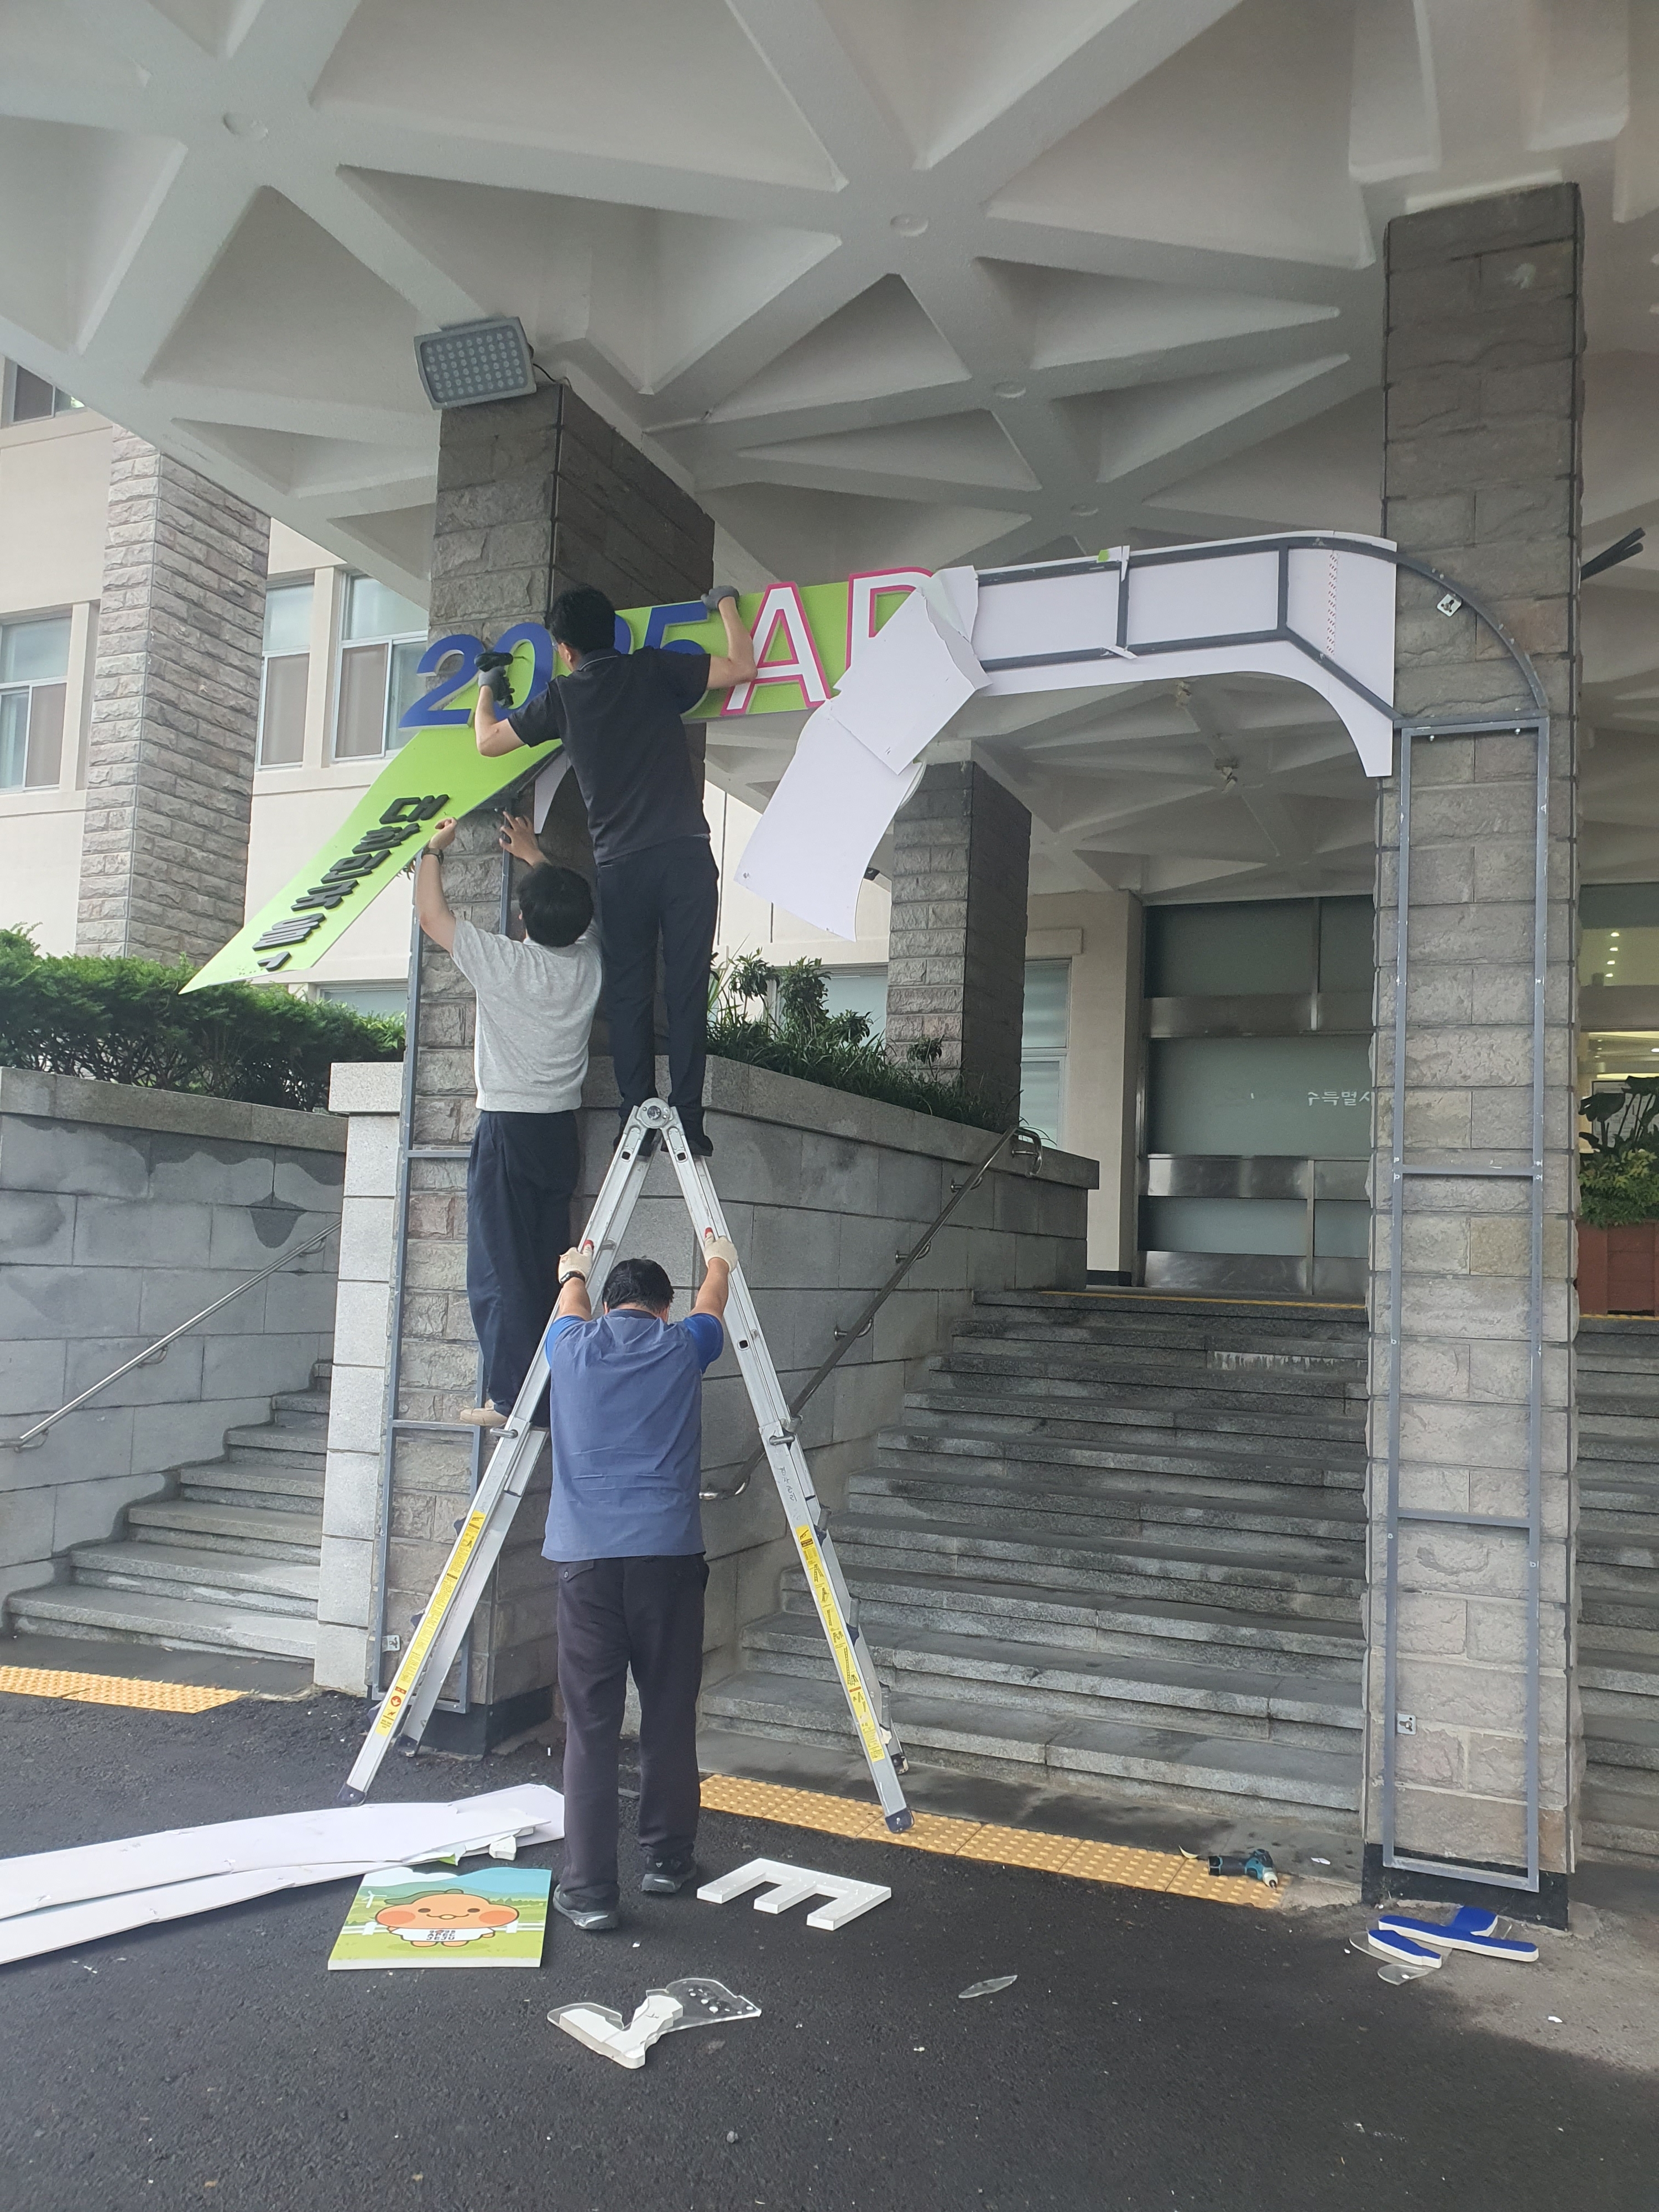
column 782, row 609
column 863, row 593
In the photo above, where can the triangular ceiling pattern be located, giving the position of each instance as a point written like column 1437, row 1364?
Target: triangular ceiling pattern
column 966, row 449
column 76, row 202
column 292, row 461
column 1071, row 316
column 652, row 290
column 813, row 536
column 1129, row 430
column 281, row 272
column 599, row 87
column 1326, row 474
column 218, row 26
column 879, row 343
column 944, row 69
column 1239, row 143
column 401, row 534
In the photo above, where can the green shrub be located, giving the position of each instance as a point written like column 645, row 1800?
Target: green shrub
column 125, row 1021
column 779, row 1017
column 1619, row 1167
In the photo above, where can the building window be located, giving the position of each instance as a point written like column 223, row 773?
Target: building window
column 288, row 666
column 30, row 399
column 858, row 991
column 33, row 667
column 381, row 643
column 1042, row 1047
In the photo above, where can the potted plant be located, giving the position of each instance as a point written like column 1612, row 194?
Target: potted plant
column 1618, row 1200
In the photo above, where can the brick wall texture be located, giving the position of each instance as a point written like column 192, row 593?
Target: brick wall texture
column 956, row 972
column 1484, row 396
column 175, row 710
column 517, row 482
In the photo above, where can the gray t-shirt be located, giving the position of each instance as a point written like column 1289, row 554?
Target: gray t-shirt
column 536, row 1007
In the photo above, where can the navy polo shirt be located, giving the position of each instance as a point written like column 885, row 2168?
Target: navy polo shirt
column 625, row 1405
column 619, row 716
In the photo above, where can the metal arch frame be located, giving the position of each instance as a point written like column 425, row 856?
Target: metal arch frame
column 1536, row 719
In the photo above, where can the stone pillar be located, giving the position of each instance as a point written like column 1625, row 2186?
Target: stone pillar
column 533, row 494
column 175, row 710
column 956, row 963
column 1481, row 479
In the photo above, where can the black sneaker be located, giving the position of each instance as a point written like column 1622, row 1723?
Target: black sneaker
column 668, row 1877
column 591, row 1919
column 698, row 1142
column 649, row 1141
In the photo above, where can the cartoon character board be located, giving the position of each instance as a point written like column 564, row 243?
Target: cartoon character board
column 402, row 1917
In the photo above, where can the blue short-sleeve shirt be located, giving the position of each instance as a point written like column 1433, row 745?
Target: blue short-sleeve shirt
column 625, row 1408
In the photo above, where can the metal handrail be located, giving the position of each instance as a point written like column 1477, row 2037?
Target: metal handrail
column 31, row 1437
column 1018, row 1135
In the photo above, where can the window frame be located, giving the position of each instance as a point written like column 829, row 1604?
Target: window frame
column 390, row 640
column 63, row 403
column 31, row 685
column 305, row 581
column 1051, row 1056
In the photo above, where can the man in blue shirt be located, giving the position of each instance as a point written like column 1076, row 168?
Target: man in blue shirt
column 625, row 1528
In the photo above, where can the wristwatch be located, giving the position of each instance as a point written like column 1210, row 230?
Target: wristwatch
column 574, row 1276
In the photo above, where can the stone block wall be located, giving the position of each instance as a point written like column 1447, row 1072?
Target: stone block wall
column 956, row 970
column 822, row 1191
column 175, row 711
column 122, row 1211
column 1484, row 409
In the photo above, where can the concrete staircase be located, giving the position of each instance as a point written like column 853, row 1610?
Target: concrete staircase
column 226, row 1562
column 1619, row 1583
column 1117, row 1540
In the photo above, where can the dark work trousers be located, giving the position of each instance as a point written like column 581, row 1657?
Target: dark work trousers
column 519, row 1177
column 668, row 892
column 615, row 1614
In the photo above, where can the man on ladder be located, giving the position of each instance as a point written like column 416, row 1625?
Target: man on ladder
column 625, row 1530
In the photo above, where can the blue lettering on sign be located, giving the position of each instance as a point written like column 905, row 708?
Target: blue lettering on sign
column 429, row 712
column 536, row 636
column 674, row 617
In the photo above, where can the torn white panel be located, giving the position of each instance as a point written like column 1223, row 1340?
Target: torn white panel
column 786, row 1885
column 809, row 851
column 1037, row 615
column 549, row 777
column 601, row 2029
column 909, row 680
column 953, row 594
column 336, row 1841
column 66, row 1927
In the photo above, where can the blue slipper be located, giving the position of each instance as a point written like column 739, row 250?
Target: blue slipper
column 1468, row 1930
column 1388, row 1943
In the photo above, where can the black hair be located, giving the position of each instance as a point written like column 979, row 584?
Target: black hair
column 584, row 618
column 638, row 1283
column 556, row 904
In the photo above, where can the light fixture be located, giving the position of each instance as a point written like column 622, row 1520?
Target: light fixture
column 1009, row 391
column 467, row 364
column 908, row 225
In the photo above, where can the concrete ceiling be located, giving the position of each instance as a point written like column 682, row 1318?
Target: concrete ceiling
column 883, row 281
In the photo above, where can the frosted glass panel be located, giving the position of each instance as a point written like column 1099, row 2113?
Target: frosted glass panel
column 1041, row 1095
column 373, row 611
column 1047, row 989
column 1232, row 951
column 1345, row 944
column 1224, row 1225
column 1342, row 1229
column 858, row 991
column 1307, row 1097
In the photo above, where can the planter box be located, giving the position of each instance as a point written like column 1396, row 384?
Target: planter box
column 1619, row 1269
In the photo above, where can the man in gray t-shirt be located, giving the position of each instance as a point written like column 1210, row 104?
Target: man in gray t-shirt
column 536, row 999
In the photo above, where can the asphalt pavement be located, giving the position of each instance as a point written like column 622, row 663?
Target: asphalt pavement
column 1154, row 2052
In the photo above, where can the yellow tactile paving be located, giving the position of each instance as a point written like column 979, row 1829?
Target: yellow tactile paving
column 986, row 1841
column 114, row 1690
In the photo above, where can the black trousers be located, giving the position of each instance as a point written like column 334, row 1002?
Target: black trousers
column 615, row 1614
column 669, row 893
column 519, row 1177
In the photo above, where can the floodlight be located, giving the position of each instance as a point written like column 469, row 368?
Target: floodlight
column 467, row 363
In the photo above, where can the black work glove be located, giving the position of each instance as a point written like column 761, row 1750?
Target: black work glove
column 493, row 674
column 715, row 593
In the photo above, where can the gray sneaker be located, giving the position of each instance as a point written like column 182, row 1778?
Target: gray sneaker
column 668, row 1877
column 591, row 1919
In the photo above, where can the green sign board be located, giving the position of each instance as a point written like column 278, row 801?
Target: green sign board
column 803, row 635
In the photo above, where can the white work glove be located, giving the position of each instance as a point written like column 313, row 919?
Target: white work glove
column 720, row 1248
column 576, row 1262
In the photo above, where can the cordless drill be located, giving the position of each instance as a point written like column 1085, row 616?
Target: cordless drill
column 493, row 674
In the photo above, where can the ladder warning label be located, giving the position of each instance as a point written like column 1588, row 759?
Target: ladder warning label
column 438, row 1605
column 834, row 1628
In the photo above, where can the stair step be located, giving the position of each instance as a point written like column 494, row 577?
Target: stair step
column 1233, row 1370
column 223, row 1484
column 1622, row 1740
column 1153, row 1405
column 1109, row 1506
column 1606, row 1672
column 286, row 1586
column 1092, row 1418
column 1084, row 1621
column 130, row 1617
column 1618, row 1811
column 250, row 1531
column 1323, row 1588
column 1030, row 1436
column 1173, row 1693
column 312, row 1404
column 997, row 1739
